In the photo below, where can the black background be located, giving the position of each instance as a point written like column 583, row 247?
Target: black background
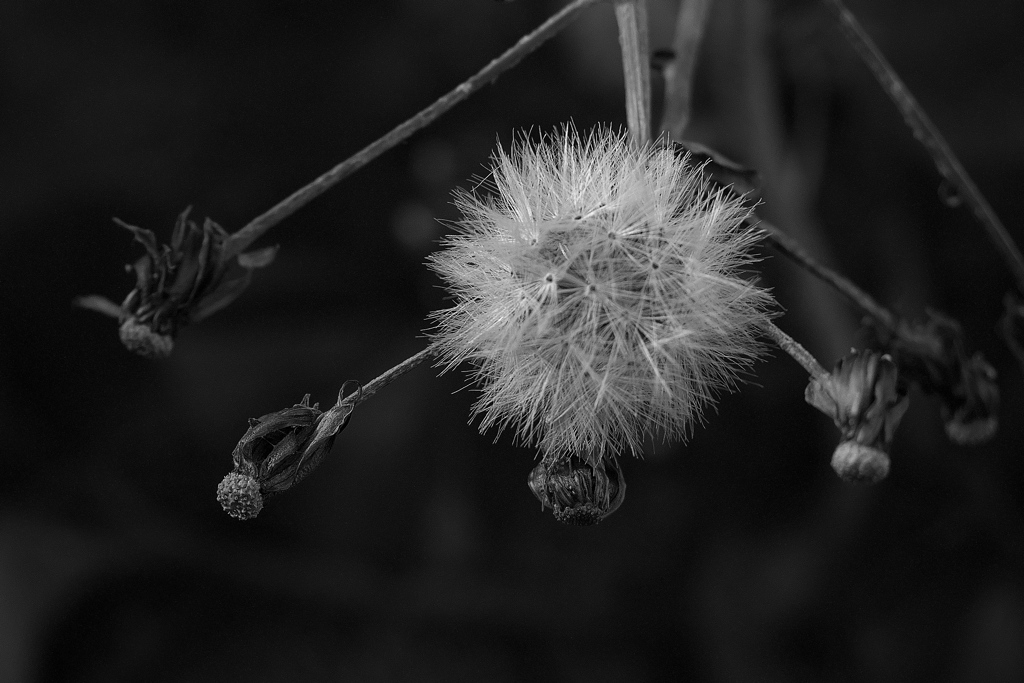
column 416, row 551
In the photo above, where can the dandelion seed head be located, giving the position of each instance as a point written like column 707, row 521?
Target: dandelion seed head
column 598, row 294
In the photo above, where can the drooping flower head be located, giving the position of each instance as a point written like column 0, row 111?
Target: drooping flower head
column 598, row 293
column 866, row 399
column 578, row 492
column 198, row 273
column 278, row 451
column 934, row 354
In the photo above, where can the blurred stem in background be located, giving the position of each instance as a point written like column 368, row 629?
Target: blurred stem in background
column 957, row 185
column 527, row 44
column 631, row 17
column 946, row 162
column 679, row 71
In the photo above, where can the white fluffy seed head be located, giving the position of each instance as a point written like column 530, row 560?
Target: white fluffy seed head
column 598, row 294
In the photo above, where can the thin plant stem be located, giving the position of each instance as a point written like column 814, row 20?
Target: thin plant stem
column 791, row 248
column 631, row 16
column 678, row 72
column 798, row 352
column 373, row 386
column 527, row 44
column 949, row 167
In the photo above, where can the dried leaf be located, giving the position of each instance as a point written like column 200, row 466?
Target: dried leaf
column 100, row 304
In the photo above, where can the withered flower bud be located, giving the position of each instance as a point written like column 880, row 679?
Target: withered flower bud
column 971, row 416
column 578, row 492
column 278, row 451
column 179, row 283
column 866, row 402
column 934, row 354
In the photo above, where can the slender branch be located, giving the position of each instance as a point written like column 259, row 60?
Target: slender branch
column 791, row 248
column 798, row 352
column 631, row 16
column 678, row 73
column 946, row 162
column 527, row 44
column 373, row 386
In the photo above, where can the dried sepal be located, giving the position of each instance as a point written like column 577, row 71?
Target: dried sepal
column 275, row 440
column 864, row 398
column 934, row 355
column 179, row 283
column 578, row 492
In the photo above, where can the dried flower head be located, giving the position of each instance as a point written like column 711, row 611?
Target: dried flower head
column 578, row 492
column 598, row 293
column 277, row 452
column 194, row 276
column 934, row 354
column 864, row 398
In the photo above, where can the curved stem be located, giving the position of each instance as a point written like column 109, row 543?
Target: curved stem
column 791, row 248
column 527, row 44
column 794, row 349
column 949, row 167
column 373, row 386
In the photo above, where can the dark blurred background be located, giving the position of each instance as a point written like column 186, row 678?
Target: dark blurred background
column 416, row 551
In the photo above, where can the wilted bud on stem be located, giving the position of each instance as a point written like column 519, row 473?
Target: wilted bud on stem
column 277, row 452
column 179, row 283
column 864, row 399
column 579, row 493
column 934, row 355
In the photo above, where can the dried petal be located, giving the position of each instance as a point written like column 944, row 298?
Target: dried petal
column 100, row 304
column 260, row 258
column 274, row 443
